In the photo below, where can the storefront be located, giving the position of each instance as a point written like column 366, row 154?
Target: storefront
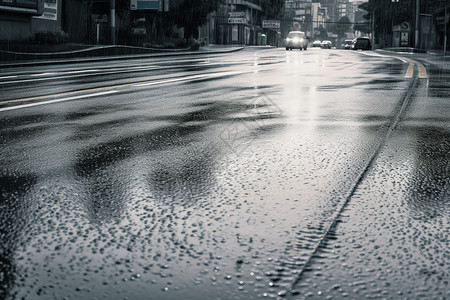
column 15, row 18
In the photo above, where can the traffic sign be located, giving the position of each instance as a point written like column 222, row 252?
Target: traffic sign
column 273, row 24
column 144, row 4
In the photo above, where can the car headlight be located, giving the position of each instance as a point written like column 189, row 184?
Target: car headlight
column 288, row 40
column 301, row 40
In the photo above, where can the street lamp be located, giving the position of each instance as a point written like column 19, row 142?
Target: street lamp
column 113, row 21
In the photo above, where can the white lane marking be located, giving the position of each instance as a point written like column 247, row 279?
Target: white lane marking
column 120, row 85
column 81, row 71
column 44, row 74
column 52, row 73
column 56, row 100
column 170, row 80
column 114, row 71
column 186, row 78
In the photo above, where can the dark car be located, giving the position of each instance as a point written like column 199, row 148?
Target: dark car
column 361, row 44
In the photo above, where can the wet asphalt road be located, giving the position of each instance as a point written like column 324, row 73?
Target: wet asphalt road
column 259, row 173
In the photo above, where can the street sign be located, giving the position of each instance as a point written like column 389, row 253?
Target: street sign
column 237, row 21
column 405, row 26
column 272, row 24
column 144, row 4
column 236, row 14
column 404, row 40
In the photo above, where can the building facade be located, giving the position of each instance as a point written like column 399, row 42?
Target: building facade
column 236, row 22
column 20, row 20
column 302, row 15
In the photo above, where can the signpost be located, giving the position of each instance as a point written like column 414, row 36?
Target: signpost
column 445, row 34
column 404, row 34
column 271, row 24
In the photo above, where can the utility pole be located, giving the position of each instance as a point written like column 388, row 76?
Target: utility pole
column 416, row 38
column 445, row 30
column 113, row 21
column 373, row 29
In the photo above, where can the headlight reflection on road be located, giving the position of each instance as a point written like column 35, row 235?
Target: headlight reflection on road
column 294, row 58
column 255, row 64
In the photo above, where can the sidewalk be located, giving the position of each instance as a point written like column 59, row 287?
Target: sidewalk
column 102, row 53
column 436, row 59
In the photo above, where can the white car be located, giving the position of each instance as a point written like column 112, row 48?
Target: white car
column 326, row 44
column 296, row 40
column 317, row 43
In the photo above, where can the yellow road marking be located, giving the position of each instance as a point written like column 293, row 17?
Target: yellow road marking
column 410, row 71
column 420, row 66
column 422, row 71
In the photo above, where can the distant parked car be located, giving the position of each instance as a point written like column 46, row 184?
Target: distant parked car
column 296, row 40
column 348, row 44
column 361, row 44
column 326, row 45
column 317, row 43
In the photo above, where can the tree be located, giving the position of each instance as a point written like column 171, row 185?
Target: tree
column 343, row 26
column 191, row 14
column 321, row 34
column 363, row 27
column 272, row 8
column 385, row 14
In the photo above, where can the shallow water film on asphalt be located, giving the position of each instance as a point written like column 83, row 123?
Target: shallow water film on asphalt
column 253, row 174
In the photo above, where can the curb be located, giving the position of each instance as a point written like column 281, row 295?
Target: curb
column 406, row 50
column 431, row 55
